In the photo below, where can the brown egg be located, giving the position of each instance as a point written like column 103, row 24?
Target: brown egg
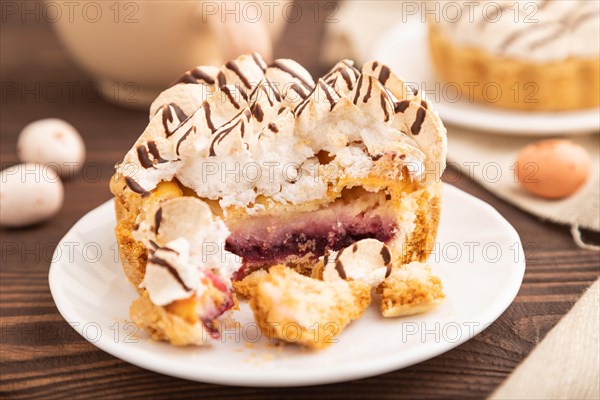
column 553, row 168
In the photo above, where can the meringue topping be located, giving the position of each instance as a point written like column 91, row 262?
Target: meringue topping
column 248, row 129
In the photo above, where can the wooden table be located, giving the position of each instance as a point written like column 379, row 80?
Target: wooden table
column 42, row 357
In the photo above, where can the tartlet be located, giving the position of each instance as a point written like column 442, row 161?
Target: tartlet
column 250, row 166
column 534, row 56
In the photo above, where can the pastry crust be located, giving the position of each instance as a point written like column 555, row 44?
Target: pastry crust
column 571, row 84
column 163, row 325
column 246, row 286
column 410, row 289
column 297, row 309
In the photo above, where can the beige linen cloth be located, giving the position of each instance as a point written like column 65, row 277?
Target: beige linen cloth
column 566, row 363
column 489, row 159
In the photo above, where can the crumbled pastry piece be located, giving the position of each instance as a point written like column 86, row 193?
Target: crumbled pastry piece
column 410, row 289
column 368, row 261
column 247, row 285
column 164, row 325
column 294, row 308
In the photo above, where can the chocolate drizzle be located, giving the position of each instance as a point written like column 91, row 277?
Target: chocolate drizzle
column 168, row 117
column 155, row 153
column 274, row 90
column 273, row 128
column 164, row 263
column 358, row 86
column 415, row 129
column 328, row 95
column 142, row 154
column 259, row 61
column 229, row 95
column 135, row 187
column 369, row 88
column 582, row 18
column 195, row 76
column 385, row 254
column 206, row 108
column 384, row 106
column 182, row 138
column 232, row 65
column 220, row 135
column 281, row 65
column 384, row 74
column 339, row 267
column 257, row 112
column 157, row 219
column 347, row 79
column 401, row 106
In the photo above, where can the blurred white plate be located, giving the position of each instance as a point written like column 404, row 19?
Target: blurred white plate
column 405, row 49
column 93, row 295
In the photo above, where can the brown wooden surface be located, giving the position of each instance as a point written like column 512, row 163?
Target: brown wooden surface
column 42, row 357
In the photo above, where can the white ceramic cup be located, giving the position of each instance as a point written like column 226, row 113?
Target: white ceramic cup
column 135, row 49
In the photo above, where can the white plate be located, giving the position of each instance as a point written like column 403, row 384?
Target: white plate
column 92, row 294
column 405, row 49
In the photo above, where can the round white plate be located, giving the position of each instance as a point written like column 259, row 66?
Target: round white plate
column 479, row 258
column 405, row 49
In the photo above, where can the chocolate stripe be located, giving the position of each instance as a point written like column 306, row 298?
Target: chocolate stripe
column 219, row 136
column 231, row 65
column 195, row 76
column 328, row 95
column 368, row 95
column 280, row 65
column 384, row 107
column 340, row 269
column 358, row 87
column 257, row 112
column 168, row 117
column 155, row 153
column 347, row 79
column 274, row 90
column 142, row 154
column 415, row 129
column 185, row 135
column 385, row 254
column 384, row 74
column 229, row 95
column 583, row 18
column 157, row 219
column 135, row 187
column 163, row 263
column 259, row 61
column 206, row 108
column 401, row 106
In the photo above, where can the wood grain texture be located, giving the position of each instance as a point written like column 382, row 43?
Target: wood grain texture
column 42, row 357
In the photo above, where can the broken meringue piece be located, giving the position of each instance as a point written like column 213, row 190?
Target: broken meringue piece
column 410, row 289
column 367, row 260
column 190, row 219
